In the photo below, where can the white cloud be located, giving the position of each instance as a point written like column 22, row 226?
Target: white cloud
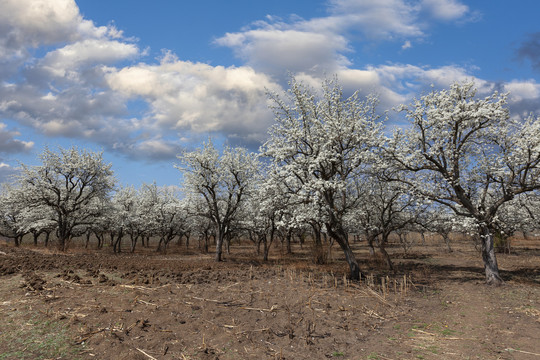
column 82, row 87
column 397, row 83
column 523, row 98
column 320, row 45
column 277, row 49
column 445, row 9
column 522, row 90
column 75, row 91
column 199, row 98
column 37, row 22
column 69, row 59
column 377, row 19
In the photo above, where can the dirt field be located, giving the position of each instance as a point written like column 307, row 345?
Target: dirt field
column 182, row 305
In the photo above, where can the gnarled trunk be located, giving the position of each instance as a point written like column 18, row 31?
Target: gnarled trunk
column 370, row 240
column 384, row 253
column 488, row 256
column 342, row 239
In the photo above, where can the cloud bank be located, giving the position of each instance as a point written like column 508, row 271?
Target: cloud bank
column 63, row 76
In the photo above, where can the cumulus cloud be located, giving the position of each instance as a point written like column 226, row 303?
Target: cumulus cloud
column 77, row 90
column 62, row 93
column 375, row 19
column 321, row 45
column 38, row 22
column 523, row 98
column 299, row 50
column 199, row 98
column 68, row 60
column 88, row 77
column 395, row 84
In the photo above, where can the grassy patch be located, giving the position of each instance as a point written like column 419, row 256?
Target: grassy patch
column 36, row 338
column 448, row 332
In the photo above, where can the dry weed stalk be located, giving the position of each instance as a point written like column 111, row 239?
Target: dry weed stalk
column 147, row 355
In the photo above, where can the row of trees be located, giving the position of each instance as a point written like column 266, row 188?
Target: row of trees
column 462, row 164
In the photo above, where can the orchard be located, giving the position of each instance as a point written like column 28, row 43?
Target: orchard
column 459, row 181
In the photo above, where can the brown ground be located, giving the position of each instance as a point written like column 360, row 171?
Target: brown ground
column 96, row 305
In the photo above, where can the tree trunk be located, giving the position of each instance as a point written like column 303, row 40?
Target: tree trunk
column 319, row 257
column 264, row 241
column 351, row 260
column 179, row 242
column 268, row 244
column 370, row 240
column 219, row 243
column 288, row 240
column 117, row 245
column 228, row 245
column 62, row 235
column 161, row 240
column 382, row 250
column 341, row 237
column 259, row 241
column 87, row 242
column 403, row 242
column 206, row 242
column 62, row 244
column 446, row 238
column 134, row 237
column 100, row 240
column 490, row 260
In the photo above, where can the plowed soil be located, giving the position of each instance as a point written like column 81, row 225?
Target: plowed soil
column 183, row 305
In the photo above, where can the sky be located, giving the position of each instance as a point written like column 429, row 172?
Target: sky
column 143, row 81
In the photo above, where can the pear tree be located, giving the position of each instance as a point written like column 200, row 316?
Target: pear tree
column 319, row 143
column 223, row 182
column 66, row 189
column 468, row 154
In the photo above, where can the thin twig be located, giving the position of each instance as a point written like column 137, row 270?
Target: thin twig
column 257, row 330
column 145, row 302
column 272, row 309
column 521, row 351
column 149, row 356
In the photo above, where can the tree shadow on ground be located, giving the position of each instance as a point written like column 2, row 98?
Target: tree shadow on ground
column 430, row 272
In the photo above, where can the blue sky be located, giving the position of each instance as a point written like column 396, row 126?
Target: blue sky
column 143, row 80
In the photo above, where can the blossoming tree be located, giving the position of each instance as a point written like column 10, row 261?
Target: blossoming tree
column 468, row 154
column 318, row 145
column 223, row 181
column 65, row 189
